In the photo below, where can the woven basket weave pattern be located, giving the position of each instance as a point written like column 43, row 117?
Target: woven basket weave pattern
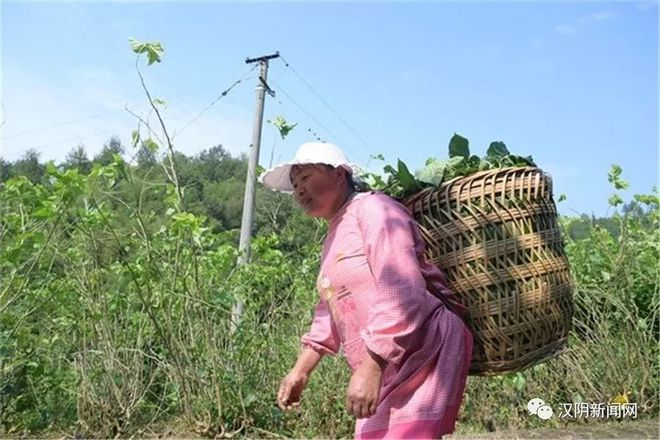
column 495, row 235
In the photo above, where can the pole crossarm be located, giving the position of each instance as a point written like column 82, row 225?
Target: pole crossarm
column 263, row 58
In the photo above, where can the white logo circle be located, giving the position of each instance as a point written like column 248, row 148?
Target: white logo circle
column 544, row 412
column 534, row 405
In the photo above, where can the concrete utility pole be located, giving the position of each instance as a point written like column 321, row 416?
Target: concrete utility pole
column 251, row 181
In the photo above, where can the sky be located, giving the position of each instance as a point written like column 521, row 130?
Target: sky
column 573, row 84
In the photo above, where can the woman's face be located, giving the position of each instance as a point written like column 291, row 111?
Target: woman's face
column 318, row 189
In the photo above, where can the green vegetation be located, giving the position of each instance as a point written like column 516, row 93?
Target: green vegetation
column 401, row 183
column 115, row 307
column 118, row 276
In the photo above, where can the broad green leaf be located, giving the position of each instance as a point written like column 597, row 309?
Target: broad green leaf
column 615, row 171
column 647, row 199
column 136, row 46
column 484, row 165
column 621, row 184
column 497, row 149
column 377, row 157
column 471, row 165
column 433, row 172
column 614, row 177
column 474, row 160
column 459, row 146
column 154, row 50
column 282, row 126
column 44, row 212
column 408, row 181
column 454, row 162
column 455, row 167
column 562, row 197
column 150, row 145
column 51, row 169
column 493, row 162
column 135, row 138
column 508, row 161
column 518, row 161
column 615, row 200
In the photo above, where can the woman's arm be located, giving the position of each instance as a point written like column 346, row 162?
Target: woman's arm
column 321, row 339
column 293, row 384
column 307, row 361
column 398, row 304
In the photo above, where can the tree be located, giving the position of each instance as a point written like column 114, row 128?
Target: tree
column 5, row 170
column 146, row 158
column 77, row 158
column 29, row 166
column 216, row 164
column 222, row 203
column 633, row 209
column 112, row 147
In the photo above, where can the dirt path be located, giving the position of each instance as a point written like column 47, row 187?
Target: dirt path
column 628, row 429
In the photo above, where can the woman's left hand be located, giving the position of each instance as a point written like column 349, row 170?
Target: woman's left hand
column 364, row 389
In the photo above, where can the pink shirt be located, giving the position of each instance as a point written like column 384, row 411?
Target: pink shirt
column 374, row 287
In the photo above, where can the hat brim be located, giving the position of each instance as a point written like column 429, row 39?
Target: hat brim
column 278, row 178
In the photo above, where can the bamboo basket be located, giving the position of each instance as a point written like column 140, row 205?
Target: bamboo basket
column 495, row 236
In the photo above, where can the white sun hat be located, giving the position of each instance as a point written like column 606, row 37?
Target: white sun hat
column 279, row 177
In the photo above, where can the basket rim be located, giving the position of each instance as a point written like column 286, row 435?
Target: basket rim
column 421, row 193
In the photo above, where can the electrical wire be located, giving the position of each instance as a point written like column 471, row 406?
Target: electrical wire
column 222, row 95
column 60, row 124
column 287, row 64
column 327, row 130
column 74, row 121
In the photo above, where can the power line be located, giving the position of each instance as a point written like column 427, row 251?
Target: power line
column 327, row 130
column 222, row 95
column 307, row 113
column 77, row 138
column 328, row 105
column 60, row 124
column 86, row 118
column 314, row 134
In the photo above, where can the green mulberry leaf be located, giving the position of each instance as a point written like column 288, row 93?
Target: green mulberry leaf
column 459, row 146
column 497, row 149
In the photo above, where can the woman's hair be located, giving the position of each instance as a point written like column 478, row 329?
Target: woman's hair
column 354, row 184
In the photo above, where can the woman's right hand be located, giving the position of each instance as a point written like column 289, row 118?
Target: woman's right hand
column 291, row 387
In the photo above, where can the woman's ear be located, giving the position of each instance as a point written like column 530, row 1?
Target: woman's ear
column 341, row 175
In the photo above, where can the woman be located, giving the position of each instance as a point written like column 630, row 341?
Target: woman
column 409, row 355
